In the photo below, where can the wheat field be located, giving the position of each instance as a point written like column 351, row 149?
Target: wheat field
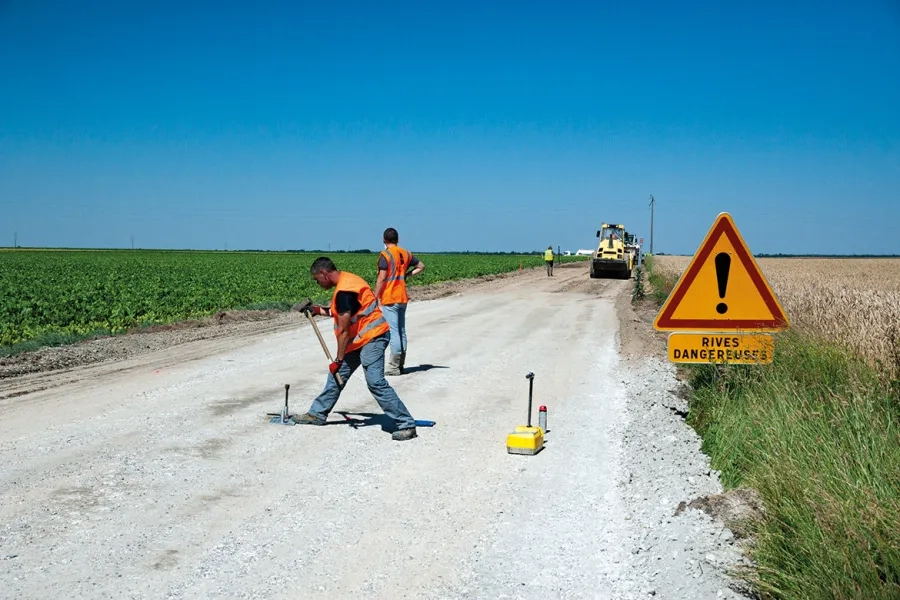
column 852, row 301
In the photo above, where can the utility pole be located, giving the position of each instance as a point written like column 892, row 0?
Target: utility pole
column 558, row 259
column 16, row 240
column 132, row 242
column 652, row 201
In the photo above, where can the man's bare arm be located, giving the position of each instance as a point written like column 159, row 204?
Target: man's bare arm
column 418, row 268
column 343, row 335
column 379, row 283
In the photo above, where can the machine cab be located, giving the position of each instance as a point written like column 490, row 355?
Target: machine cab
column 611, row 232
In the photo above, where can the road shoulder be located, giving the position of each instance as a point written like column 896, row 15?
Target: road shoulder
column 679, row 550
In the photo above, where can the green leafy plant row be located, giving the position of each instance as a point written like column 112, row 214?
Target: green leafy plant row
column 55, row 295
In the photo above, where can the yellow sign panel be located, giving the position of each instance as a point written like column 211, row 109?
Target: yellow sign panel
column 722, row 289
column 722, row 348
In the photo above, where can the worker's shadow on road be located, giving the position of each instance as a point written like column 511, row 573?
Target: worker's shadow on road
column 421, row 368
column 367, row 420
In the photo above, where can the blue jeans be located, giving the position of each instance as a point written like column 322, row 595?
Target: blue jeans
column 395, row 315
column 371, row 357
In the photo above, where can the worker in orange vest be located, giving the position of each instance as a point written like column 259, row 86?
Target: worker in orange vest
column 394, row 263
column 362, row 336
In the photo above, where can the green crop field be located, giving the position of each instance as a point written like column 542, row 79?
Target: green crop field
column 49, row 294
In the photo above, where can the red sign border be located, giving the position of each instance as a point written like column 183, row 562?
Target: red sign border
column 722, row 226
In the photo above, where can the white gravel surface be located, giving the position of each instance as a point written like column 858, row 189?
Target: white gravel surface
column 163, row 478
column 681, row 556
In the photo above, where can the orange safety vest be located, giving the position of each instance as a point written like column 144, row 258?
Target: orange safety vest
column 368, row 323
column 394, row 290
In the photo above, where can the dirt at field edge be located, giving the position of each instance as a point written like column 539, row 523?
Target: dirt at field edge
column 690, row 533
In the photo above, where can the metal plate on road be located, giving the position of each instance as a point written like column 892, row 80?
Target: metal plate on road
column 721, row 348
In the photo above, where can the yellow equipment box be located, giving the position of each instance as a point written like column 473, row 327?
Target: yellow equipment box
column 525, row 440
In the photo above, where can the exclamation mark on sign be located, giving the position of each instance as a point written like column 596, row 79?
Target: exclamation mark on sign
column 723, row 264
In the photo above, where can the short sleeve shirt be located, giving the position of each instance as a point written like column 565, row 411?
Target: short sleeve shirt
column 347, row 302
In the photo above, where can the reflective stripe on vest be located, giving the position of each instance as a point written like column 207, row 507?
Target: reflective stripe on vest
column 368, row 323
column 392, row 268
column 365, row 312
column 394, row 291
column 360, row 336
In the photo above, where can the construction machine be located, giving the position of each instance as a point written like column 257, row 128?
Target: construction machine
column 612, row 257
column 633, row 245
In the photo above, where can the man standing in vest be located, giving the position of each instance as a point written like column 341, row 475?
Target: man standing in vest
column 390, row 289
column 362, row 336
column 548, row 258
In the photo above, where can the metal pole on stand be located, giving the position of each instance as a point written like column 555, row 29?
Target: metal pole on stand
column 530, row 378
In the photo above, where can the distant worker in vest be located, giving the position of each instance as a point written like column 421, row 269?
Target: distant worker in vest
column 394, row 263
column 362, row 336
column 548, row 259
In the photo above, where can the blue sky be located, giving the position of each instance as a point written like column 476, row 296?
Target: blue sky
column 484, row 126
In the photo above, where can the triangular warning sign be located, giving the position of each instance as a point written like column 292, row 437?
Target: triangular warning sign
column 722, row 289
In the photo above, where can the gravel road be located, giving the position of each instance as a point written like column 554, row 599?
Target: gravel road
column 160, row 477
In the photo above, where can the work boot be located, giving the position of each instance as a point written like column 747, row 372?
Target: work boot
column 393, row 366
column 404, row 434
column 308, row 419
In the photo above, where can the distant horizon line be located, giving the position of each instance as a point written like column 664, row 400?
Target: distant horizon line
column 369, row 251
column 252, row 250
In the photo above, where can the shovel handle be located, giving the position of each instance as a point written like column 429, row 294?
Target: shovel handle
column 337, row 376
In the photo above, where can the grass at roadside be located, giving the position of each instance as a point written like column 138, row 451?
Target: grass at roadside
column 817, row 435
column 661, row 281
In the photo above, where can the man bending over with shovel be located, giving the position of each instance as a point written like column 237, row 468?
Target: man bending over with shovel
column 362, row 336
